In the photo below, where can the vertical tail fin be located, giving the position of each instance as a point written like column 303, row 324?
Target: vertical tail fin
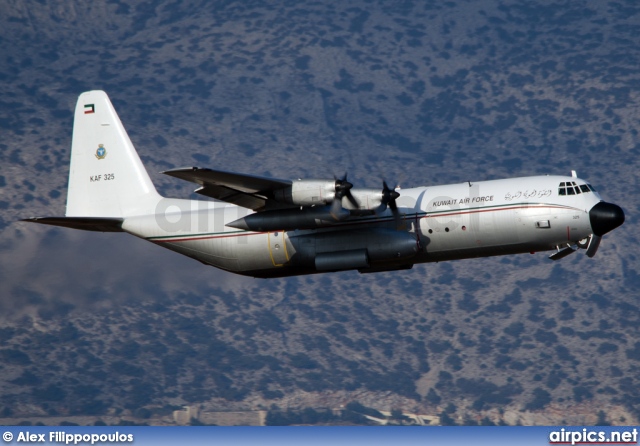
column 107, row 178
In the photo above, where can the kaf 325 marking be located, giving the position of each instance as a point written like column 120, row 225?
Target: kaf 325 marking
column 105, row 177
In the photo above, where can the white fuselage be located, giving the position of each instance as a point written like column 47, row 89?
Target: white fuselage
column 437, row 223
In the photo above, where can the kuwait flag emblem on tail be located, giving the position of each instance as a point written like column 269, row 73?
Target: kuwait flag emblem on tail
column 89, row 108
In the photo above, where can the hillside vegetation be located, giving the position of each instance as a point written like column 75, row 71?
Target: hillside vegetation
column 418, row 93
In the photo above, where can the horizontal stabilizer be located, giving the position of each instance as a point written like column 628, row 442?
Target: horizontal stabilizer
column 98, row 224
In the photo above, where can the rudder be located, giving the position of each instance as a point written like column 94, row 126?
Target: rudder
column 106, row 178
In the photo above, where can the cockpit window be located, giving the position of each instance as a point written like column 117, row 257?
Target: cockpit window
column 571, row 188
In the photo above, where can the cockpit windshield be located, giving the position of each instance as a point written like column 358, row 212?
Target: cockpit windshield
column 571, row 188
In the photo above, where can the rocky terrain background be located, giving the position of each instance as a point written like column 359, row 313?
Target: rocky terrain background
column 415, row 92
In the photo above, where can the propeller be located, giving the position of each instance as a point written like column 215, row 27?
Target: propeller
column 389, row 200
column 343, row 189
column 389, row 197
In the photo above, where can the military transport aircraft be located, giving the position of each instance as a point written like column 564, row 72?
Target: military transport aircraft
column 266, row 227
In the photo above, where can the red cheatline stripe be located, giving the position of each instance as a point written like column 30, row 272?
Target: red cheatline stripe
column 462, row 212
column 205, row 237
column 353, row 223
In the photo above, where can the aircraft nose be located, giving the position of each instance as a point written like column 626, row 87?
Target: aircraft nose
column 605, row 217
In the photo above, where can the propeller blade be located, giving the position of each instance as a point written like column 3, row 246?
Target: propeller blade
column 352, row 200
column 380, row 209
column 593, row 245
column 336, row 207
column 337, row 211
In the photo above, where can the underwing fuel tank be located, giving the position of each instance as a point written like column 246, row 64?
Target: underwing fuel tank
column 362, row 249
column 285, row 220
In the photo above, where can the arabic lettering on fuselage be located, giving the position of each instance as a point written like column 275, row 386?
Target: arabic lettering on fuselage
column 533, row 193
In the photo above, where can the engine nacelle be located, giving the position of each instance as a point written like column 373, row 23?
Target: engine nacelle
column 369, row 200
column 307, row 192
column 322, row 192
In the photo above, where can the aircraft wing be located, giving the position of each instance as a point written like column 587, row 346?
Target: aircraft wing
column 249, row 191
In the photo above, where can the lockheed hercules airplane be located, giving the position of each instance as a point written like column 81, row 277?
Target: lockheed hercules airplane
column 266, row 227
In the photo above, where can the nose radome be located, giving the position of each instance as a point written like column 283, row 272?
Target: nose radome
column 605, row 217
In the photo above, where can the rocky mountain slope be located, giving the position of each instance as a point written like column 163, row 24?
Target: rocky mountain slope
column 418, row 93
